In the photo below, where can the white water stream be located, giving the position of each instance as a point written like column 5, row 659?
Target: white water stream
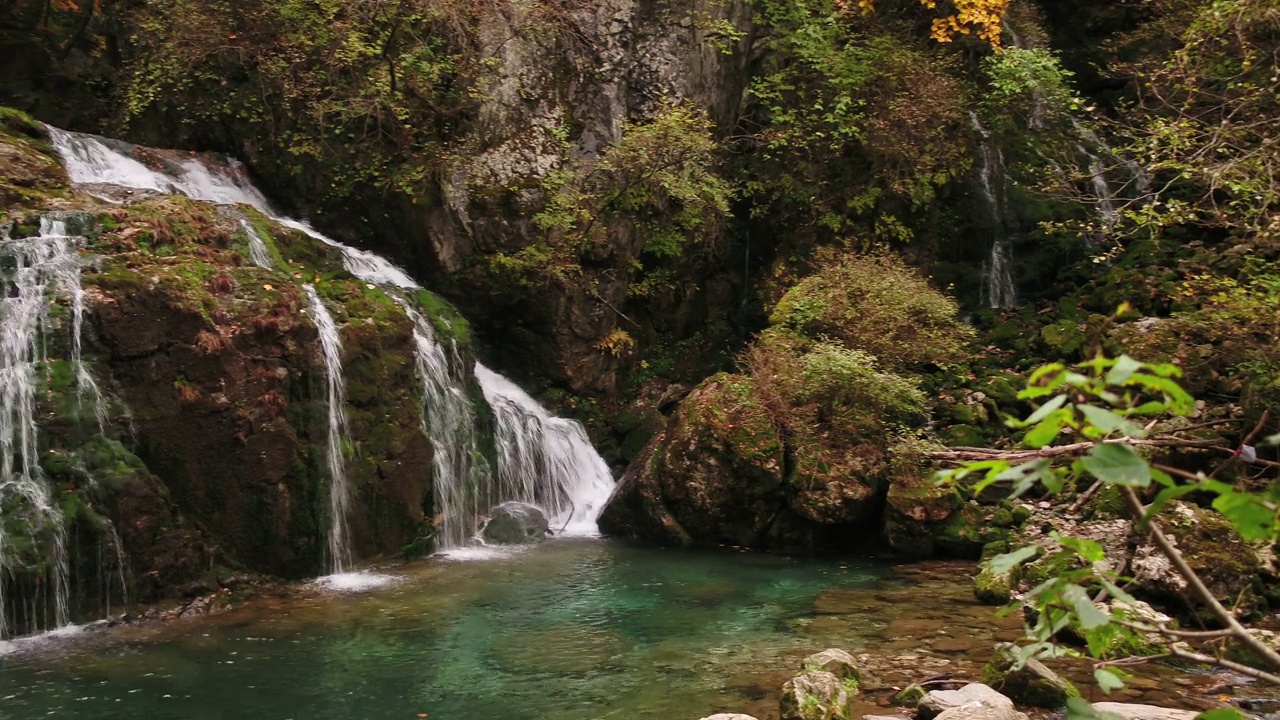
column 541, row 458
column 998, row 290
column 36, row 273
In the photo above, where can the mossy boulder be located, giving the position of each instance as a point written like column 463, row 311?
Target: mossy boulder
column 968, row 531
column 1229, row 566
column 916, row 508
column 30, row 172
column 815, row 695
column 1030, row 684
column 714, row 475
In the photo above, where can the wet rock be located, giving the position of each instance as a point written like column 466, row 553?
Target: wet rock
column 515, row 523
column 1031, row 684
column 1131, row 711
column 970, row 697
column 728, row 716
column 816, row 695
column 835, row 661
column 714, row 476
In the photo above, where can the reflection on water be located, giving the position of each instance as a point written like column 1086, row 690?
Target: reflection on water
column 573, row 629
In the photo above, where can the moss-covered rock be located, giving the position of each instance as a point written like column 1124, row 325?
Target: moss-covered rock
column 714, row 475
column 30, row 173
column 1031, row 684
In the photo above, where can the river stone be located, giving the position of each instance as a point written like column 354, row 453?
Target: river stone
column 835, row 661
column 1133, row 711
column 1032, row 684
column 982, row 712
column 973, row 695
column 515, row 523
column 815, row 695
column 728, row 716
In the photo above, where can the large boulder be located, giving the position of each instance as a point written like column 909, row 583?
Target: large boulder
column 815, row 695
column 515, row 523
column 714, row 476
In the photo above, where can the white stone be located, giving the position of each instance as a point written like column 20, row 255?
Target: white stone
column 970, row 697
column 1132, row 711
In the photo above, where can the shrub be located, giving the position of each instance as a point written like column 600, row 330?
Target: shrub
column 875, row 303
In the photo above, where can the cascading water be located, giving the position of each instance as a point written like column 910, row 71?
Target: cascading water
column 338, row 435
column 545, row 460
column 998, row 290
column 551, row 454
column 257, row 247
column 35, row 272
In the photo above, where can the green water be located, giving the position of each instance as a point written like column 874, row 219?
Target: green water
column 573, row 629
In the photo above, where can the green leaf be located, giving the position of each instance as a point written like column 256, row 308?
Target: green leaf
column 1084, row 547
column 1080, row 709
column 1117, row 592
column 1248, row 513
column 1044, row 410
column 1107, row 680
column 1109, row 422
column 1222, row 713
column 1001, row 564
column 1089, row 615
column 1047, row 431
column 1124, row 369
column 1117, row 464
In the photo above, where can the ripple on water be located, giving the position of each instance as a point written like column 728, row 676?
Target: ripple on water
column 42, row 641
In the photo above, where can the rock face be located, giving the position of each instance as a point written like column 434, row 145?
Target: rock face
column 815, row 695
column 206, row 458
column 515, row 523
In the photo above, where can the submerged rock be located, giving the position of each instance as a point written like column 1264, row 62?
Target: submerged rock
column 515, row 523
column 816, row 695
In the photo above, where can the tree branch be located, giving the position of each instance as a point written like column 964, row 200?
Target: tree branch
column 1202, row 593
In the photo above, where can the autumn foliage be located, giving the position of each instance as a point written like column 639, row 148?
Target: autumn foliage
column 982, row 18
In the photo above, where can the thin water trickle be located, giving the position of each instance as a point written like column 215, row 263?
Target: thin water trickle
column 257, row 247
column 338, row 436
column 997, row 290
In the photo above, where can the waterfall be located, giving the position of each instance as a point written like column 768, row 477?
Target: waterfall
column 998, row 290
column 544, row 460
column 552, row 455
column 257, row 247
column 338, row 435
column 35, row 272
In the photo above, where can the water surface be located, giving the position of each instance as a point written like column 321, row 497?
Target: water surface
column 573, row 629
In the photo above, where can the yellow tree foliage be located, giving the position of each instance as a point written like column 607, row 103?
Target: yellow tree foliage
column 982, row 18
